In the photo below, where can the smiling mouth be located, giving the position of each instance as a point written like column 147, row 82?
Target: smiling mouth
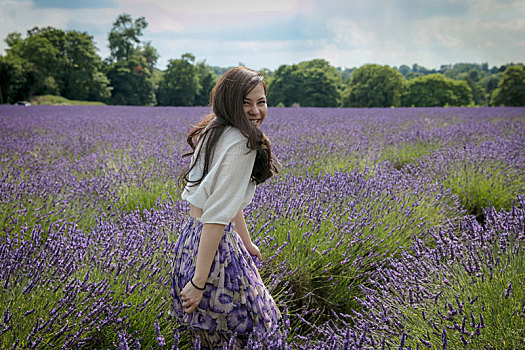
column 255, row 121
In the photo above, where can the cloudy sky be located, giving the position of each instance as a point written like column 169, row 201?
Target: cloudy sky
column 268, row 33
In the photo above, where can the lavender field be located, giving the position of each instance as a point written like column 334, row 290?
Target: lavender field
column 387, row 228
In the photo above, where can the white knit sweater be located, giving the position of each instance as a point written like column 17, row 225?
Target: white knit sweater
column 226, row 188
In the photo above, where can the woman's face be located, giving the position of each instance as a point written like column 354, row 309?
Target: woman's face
column 254, row 105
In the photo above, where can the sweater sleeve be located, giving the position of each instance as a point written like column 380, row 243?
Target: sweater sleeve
column 231, row 182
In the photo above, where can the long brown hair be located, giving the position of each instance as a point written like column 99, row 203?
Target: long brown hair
column 226, row 100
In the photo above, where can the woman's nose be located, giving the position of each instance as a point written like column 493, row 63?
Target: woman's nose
column 253, row 110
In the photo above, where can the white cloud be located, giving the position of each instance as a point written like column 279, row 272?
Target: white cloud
column 213, row 7
column 487, row 45
column 273, row 32
column 20, row 16
column 494, row 7
column 348, row 33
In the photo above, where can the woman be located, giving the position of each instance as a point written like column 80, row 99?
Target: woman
column 216, row 289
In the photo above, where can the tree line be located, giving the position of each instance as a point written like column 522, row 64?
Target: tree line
column 51, row 61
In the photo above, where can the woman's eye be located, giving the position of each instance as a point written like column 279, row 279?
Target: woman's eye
column 262, row 102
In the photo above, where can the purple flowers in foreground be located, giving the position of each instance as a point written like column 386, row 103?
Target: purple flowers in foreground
column 388, row 228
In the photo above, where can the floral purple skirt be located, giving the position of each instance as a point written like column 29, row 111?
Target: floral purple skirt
column 235, row 298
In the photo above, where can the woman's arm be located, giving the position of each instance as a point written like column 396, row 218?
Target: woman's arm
column 242, row 230
column 210, row 238
column 228, row 190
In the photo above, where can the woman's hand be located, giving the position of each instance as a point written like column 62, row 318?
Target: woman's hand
column 253, row 250
column 191, row 297
column 242, row 231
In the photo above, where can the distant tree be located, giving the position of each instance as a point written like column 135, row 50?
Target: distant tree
column 180, row 83
column 83, row 78
column 478, row 93
column 124, row 36
column 436, row 90
column 53, row 61
column 490, row 83
column 312, row 83
column 219, row 71
column 131, row 84
column 207, row 79
column 472, row 78
column 149, row 55
column 319, row 89
column 459, row 70
column 373, row 85
column 285, row 88
column 321, row 84
column 416, row 68
column 412, row 75
column 39, row 57
column 13, row 79
column 345, row 74
column 511, row 88
column 131, row 64
column 404, row 69
column 267, row 74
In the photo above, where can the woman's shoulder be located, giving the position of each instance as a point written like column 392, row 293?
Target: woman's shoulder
column 232, row 140
column 233, row 135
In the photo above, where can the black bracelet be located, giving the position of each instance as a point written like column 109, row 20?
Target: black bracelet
column 193, row 284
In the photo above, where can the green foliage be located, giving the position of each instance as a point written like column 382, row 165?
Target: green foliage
column 156, row 77
column 436, row 90
column 137, row 289
column 407, row 152
column 267, row 74
column 207, row 79
column 53, row 61
column 480, row 186
column 404, row 70
column 14, row 77
column 490, row 83
column 50, row 61
column 459, row 70
column 180, row 83
column 479, row 78
column 131, row 83
column 501, row 328
column 478, row 93
column 130, row 67
column 312, row 83
column 149, row 56
column 62, row 101
column 314, row 251
column 373, row 85
column 147, row 196
column 186, row 83
column 284, row 88
column 511, row 88
column 124, row 36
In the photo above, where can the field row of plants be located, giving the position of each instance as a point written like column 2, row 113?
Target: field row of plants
column 387, row 228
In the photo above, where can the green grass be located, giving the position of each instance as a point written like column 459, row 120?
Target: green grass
column 61, row 101
column 29, row 212
column 489, row 183
column 329, row 259
column 503, row 316
column 146, row 196
column 138, row 289
column 405, row 153
column 333, row 163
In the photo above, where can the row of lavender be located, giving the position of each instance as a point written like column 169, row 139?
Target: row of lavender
column 363, row 233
